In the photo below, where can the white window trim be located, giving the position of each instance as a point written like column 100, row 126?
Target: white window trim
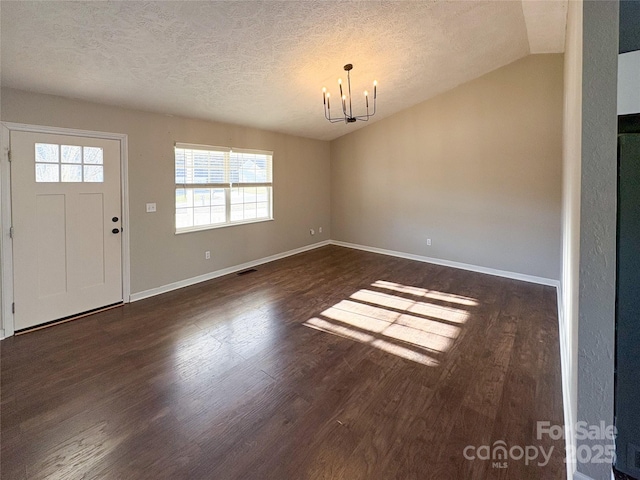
column 227, row 189
column 222, row 225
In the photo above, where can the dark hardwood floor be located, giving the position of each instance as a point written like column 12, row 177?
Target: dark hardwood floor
column 331, row 364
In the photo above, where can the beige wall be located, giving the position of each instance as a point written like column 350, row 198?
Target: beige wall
column 159, row 257
column 477, row 169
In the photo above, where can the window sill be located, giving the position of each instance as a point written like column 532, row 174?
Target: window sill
column 222, row 225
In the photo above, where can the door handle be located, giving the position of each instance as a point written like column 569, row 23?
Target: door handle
column 115, row 230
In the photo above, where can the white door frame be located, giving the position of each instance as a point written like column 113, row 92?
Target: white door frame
column 6, row 245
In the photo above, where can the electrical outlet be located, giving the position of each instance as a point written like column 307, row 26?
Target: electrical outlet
column 151, row 207
column 319, row 229
column 207, row 255
column 312, row 232
column 428, row 242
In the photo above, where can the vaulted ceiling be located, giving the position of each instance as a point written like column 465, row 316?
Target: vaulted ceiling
column 264, row 63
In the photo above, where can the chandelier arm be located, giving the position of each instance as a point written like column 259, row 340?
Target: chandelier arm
column 328, row 117
column 332, row 120
column 349, row 85
column 327, row 113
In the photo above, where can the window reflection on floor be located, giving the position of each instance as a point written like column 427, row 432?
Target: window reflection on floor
column 413, row 323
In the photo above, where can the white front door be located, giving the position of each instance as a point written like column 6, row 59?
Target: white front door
column 66, row 215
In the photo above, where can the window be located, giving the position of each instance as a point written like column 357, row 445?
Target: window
column 218, row 186
column 68, row 163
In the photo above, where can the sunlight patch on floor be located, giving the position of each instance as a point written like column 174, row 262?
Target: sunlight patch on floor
column 423, row 292
column 450, row 314
column 414, row 329
column 350, row 333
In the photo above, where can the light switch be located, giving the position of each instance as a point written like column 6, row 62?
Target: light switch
column 151, row 207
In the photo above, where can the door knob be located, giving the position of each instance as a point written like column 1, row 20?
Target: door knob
column 115, row 230
column 114, row 219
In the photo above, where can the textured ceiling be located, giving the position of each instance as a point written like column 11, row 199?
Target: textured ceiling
column 264, row 63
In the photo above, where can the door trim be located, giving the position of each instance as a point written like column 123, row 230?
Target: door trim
column 6, row 245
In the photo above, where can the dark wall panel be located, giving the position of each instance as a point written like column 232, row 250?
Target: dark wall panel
column 629, row 26
column 628, row 307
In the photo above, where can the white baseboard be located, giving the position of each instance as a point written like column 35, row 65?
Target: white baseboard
column 449, row 263
column 565, row 367
column 225, row 271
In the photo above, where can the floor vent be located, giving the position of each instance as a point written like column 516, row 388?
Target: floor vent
column 246, row 272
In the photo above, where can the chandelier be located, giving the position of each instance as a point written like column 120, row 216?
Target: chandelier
column 348, row 116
